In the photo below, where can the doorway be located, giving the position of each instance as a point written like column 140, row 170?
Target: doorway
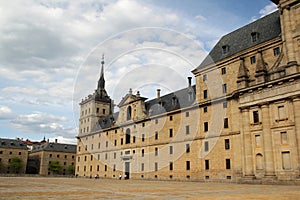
column 127, row 170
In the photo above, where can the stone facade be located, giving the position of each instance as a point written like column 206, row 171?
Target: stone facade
column 9, row 150
column 240, row 122
column 42, row 155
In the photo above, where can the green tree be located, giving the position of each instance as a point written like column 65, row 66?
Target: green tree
column 55, row 167
column 16, row 164
column 71, row 169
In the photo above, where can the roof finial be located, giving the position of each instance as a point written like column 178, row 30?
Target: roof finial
column 102, row 61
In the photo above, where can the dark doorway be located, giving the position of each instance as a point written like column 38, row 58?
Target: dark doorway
column 127, row 170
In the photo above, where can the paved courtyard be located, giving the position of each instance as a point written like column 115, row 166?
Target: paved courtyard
column 72, row 188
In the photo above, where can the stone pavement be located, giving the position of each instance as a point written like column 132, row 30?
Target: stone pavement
column 81, row 188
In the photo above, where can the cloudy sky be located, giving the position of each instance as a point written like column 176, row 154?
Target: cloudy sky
column 50, row 53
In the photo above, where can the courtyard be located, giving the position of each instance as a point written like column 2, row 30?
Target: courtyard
column 81, row 188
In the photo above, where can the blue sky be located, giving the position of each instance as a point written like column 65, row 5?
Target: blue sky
column 50, row 53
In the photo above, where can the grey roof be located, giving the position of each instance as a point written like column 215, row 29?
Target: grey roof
column 11, row 143
column 169, row 102
column 172, row 101
column 267, row 27
column 58, row 147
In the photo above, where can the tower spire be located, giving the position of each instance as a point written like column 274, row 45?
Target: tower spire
column 101, row 82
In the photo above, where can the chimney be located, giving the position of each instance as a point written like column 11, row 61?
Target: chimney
column 190, row 81
column 158, row 93
column 138, row 94
column 55, row 141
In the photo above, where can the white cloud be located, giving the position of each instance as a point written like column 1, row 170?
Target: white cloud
column 5, row 112
column 200, row 17
column 43, row 123
column 268, row 9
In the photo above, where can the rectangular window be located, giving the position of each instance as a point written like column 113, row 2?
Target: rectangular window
column 106, row 144
column 156, row 151
column 156, row 166
column 142, row 167
column 171, row 166
column 207, row 164
column 227, row 144
column 171, row 118
column 171, row 132
column 121, row 141
column 105, row 168
column 204, row 77
column 115, row 142
column 156, row 135
column 99, row 145
column 228, row 164
column 91, row 168
column 223, row 70
column 114, row 168
column 187, row 130
column 225, row 105
column 205, row 109
column 286, row 160
column 156, row 121
column 206, row 146
column 283, row 136
column 143, row 152
column 133, row 139
column 171, row 150
column 257, row 140
column 276, row 51
column 91, row 157
column 205, row 94
column 103, row 111
column 188, row 165
column 224, row 88
column 187, row 148
column 143, row 137
column 187, row 114
column 205, row 126
column 252, row 59
column 115, row 155
column 255, row 117
column 226, row 123
column 97, row 110
column 281, row 113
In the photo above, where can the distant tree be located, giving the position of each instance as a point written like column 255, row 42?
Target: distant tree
column 16, row 164
column 55, row 167
column 71, row 169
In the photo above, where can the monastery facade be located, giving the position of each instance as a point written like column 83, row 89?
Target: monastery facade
column 239, row 123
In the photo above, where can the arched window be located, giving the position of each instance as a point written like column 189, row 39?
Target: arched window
column 129, row 113
column 127, row 139
column 259, row 161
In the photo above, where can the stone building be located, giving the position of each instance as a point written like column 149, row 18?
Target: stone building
column 240, row 122
column 41, row 156
column 9, row 150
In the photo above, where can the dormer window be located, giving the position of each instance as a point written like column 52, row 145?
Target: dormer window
column 174, row 101
column 225, row 49
column 254, row 36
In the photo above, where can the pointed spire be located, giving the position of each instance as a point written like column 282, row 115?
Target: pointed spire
column 101, row 82
column 243, row 71
column 260, row 64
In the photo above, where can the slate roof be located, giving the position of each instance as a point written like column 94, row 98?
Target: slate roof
column 11, row 143
column 267, row 27
column 169, row 102
column 57, row 147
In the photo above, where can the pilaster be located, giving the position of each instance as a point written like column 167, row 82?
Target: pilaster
column 268, row 141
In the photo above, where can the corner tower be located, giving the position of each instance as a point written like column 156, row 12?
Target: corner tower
column 95, row 106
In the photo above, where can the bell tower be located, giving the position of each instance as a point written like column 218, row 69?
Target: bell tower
column 95, row 106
